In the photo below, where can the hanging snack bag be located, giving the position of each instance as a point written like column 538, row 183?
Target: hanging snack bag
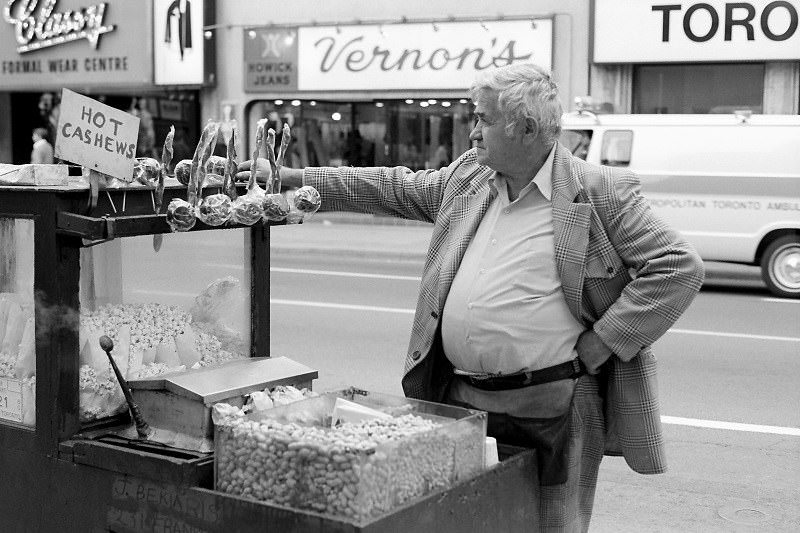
column 248, row 209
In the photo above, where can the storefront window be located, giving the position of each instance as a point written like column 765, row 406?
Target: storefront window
column 17, row 324
column 157, row 113
column 413, row 133
column 698, row 88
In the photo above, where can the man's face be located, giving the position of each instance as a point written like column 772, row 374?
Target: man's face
column 495, row 148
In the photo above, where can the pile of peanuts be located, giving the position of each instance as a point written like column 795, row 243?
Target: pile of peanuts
column 355, row 470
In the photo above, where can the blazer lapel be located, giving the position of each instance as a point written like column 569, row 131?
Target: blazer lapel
column 571, row 221
column 466, row 215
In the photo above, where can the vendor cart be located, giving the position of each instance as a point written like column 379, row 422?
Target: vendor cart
column 69, row 458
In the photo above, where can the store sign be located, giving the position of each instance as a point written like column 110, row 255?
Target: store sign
column 96, row 136
column 11, row 400
column 49, row 44
column 419, row 55
column 39, row 24
column 178, row 42
column 444, row 55
column 170, row 109
column 660, row 31
column 270, row 59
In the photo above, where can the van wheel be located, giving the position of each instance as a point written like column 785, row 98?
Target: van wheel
column 780, row 266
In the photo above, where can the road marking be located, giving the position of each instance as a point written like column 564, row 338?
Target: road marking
column 411, row 312
column 343, row 274
column 155, row 294
column 372, row 308
column 735, row 335
column 343, row 306
column 730, row 426
column 780, row 300
column 314, row 272
column 671, row 420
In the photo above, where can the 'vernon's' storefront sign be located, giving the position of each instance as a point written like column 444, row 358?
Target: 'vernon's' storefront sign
column 444, row 55
column 47, row 44
column 650, row 31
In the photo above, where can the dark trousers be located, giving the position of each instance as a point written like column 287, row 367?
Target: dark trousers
column 567, row 507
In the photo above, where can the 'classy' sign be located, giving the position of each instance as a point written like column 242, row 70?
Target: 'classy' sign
column 418, row 55
column 37, row 24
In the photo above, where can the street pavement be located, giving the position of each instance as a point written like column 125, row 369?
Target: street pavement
column 394, row 239
column 687, row 498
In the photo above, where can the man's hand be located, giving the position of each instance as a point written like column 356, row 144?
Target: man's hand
column 592, row 351
column 290, row 177
column 263, row 170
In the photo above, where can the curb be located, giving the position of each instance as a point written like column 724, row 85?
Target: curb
column 385, row 255
column 343, row 217
column 390, row 252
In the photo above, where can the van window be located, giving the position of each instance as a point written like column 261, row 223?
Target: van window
column 616, row 149
column 576, row 141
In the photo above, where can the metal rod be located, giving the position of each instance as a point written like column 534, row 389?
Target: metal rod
column 112, row 201
column 142, row 427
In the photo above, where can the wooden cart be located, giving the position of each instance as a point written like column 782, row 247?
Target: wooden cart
column 62, row 475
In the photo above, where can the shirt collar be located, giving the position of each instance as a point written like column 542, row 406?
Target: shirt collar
column 543, row 178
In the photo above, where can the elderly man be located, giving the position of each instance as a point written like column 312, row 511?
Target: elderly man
column 546, row 281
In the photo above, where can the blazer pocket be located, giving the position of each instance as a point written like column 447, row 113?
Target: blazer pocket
column 602, row 260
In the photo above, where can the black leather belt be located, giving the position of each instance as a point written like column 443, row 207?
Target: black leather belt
column 569, row 370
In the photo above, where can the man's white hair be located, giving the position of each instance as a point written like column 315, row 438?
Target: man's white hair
column 524, row 92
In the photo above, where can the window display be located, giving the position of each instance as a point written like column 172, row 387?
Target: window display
column 160, row 321
column 416, row 133
column 698, row 88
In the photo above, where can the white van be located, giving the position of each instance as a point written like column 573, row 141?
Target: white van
column 729, row 183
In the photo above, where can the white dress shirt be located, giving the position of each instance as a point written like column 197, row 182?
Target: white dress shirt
column 505, row 312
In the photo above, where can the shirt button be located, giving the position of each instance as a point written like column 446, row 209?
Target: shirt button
column 506, row 211
column 494, row 241
column 416, row 355
column 469, row 306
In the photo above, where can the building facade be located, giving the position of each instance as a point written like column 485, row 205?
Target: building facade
column 713, row 56
column 146, row 57
column 374, row 83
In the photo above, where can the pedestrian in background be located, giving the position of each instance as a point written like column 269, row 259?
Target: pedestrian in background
column 42, row 152
column 546, row 282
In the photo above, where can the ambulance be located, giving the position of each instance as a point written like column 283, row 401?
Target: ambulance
column 729, row 182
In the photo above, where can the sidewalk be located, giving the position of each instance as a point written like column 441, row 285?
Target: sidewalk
column 355, row 234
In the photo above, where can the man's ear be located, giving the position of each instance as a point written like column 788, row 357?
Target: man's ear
column 530, row 130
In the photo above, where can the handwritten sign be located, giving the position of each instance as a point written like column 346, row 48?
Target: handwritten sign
column 10, row 400
column 96, row 136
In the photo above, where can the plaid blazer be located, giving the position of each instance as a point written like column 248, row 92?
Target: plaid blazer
column 623, row 271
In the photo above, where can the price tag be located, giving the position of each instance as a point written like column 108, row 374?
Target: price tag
column 11, row 400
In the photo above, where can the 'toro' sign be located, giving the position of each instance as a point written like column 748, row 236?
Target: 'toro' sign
column 97, row 136
column 651, row 31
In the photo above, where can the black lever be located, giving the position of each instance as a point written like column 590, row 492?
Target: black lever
column 142, row 427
